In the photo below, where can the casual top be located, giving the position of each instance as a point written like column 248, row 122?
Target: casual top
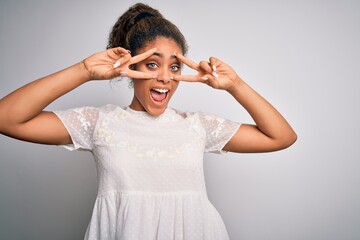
column 150, row 171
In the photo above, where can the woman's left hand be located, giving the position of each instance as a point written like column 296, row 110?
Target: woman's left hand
column 214, row 72
column 271, row 132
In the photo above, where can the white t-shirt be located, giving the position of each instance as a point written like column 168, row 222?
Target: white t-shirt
column 150, row 171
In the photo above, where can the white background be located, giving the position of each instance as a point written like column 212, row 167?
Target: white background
column 303, row 56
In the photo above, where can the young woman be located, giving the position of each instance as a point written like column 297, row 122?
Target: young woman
column 148, row 156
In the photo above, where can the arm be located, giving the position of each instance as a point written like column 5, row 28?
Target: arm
column 21, row 112
column 271, row 131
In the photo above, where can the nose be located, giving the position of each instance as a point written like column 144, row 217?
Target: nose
column 164, row 76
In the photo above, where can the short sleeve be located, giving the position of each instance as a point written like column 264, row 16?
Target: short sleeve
column 218, row 132
column 80, row 123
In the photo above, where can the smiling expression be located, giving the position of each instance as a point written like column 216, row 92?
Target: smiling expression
column 153, row 95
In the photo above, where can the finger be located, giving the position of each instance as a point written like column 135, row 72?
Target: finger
column 139, row 75
column 188, row 62
column 214, row 63
column 121, row 51
column 122, row 60
column 214, row 73
column 142, row 56
column 194, row 78
column 117, row 64
column 211, row 81
column 204, row 65
column 188, row 78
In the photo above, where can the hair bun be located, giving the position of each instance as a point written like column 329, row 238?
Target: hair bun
column 141, row 24
column 142, row 15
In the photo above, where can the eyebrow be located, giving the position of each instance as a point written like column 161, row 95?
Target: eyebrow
column 161, row 55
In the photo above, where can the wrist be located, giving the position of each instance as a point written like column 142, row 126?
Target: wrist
column 238, row 84
column 84, row 72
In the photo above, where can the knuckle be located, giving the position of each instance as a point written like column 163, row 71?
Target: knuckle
column 212, row 58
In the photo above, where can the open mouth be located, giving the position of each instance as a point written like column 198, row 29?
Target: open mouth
column 159, row 94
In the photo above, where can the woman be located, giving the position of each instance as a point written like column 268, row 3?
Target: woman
column 148, row 156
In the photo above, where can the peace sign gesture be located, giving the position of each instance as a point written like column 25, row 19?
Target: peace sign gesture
column 115, row 62
column 214, row 72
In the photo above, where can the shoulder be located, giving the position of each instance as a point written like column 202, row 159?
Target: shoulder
column 177, row 112
column 108, row 108
column 103, row 110
column 195, row 115
column 194, row 119
column 88, row 113
column 184, row 115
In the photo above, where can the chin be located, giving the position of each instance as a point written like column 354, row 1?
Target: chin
column 157, row 107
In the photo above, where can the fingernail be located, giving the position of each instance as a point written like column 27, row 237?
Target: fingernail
column 155, row 76
column 154, row 49
column 204, row 78
column 175, row 53
column 123, row 74
column 117, row 64
column 129, row 51
column 215, row 75
column 214, row 68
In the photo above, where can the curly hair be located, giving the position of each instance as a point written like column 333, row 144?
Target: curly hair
column 140, row 25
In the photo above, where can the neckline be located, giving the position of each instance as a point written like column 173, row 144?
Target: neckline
column 129, row 109
column 144, row 113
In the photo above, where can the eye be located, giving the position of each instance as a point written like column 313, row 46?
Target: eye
column 175, row 68
column 152, row 65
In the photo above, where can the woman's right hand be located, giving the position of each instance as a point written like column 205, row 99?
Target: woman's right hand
column 105, row 64
column 27, row 120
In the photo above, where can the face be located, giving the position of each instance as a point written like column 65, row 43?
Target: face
column 153, row 95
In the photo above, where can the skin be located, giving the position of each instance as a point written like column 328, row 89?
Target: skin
column 271, row 131
column 26, row 120
column 155, row 66
column 164, row 65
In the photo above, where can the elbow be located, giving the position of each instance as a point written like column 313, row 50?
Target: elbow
column 292, row 139
column 288, row 140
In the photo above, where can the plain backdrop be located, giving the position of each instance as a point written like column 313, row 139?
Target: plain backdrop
column 303, row 56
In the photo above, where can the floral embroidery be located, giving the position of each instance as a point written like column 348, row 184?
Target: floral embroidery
column 82, row 119
column 219, row 128
column 151, row 167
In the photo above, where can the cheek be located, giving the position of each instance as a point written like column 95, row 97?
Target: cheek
column 174, row 87
column 140, row 87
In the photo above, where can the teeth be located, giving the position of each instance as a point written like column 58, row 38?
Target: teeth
column 160, row 90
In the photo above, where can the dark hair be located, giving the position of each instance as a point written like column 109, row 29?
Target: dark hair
column 141, row 24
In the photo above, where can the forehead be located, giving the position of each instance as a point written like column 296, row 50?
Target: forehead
column 163, row 45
